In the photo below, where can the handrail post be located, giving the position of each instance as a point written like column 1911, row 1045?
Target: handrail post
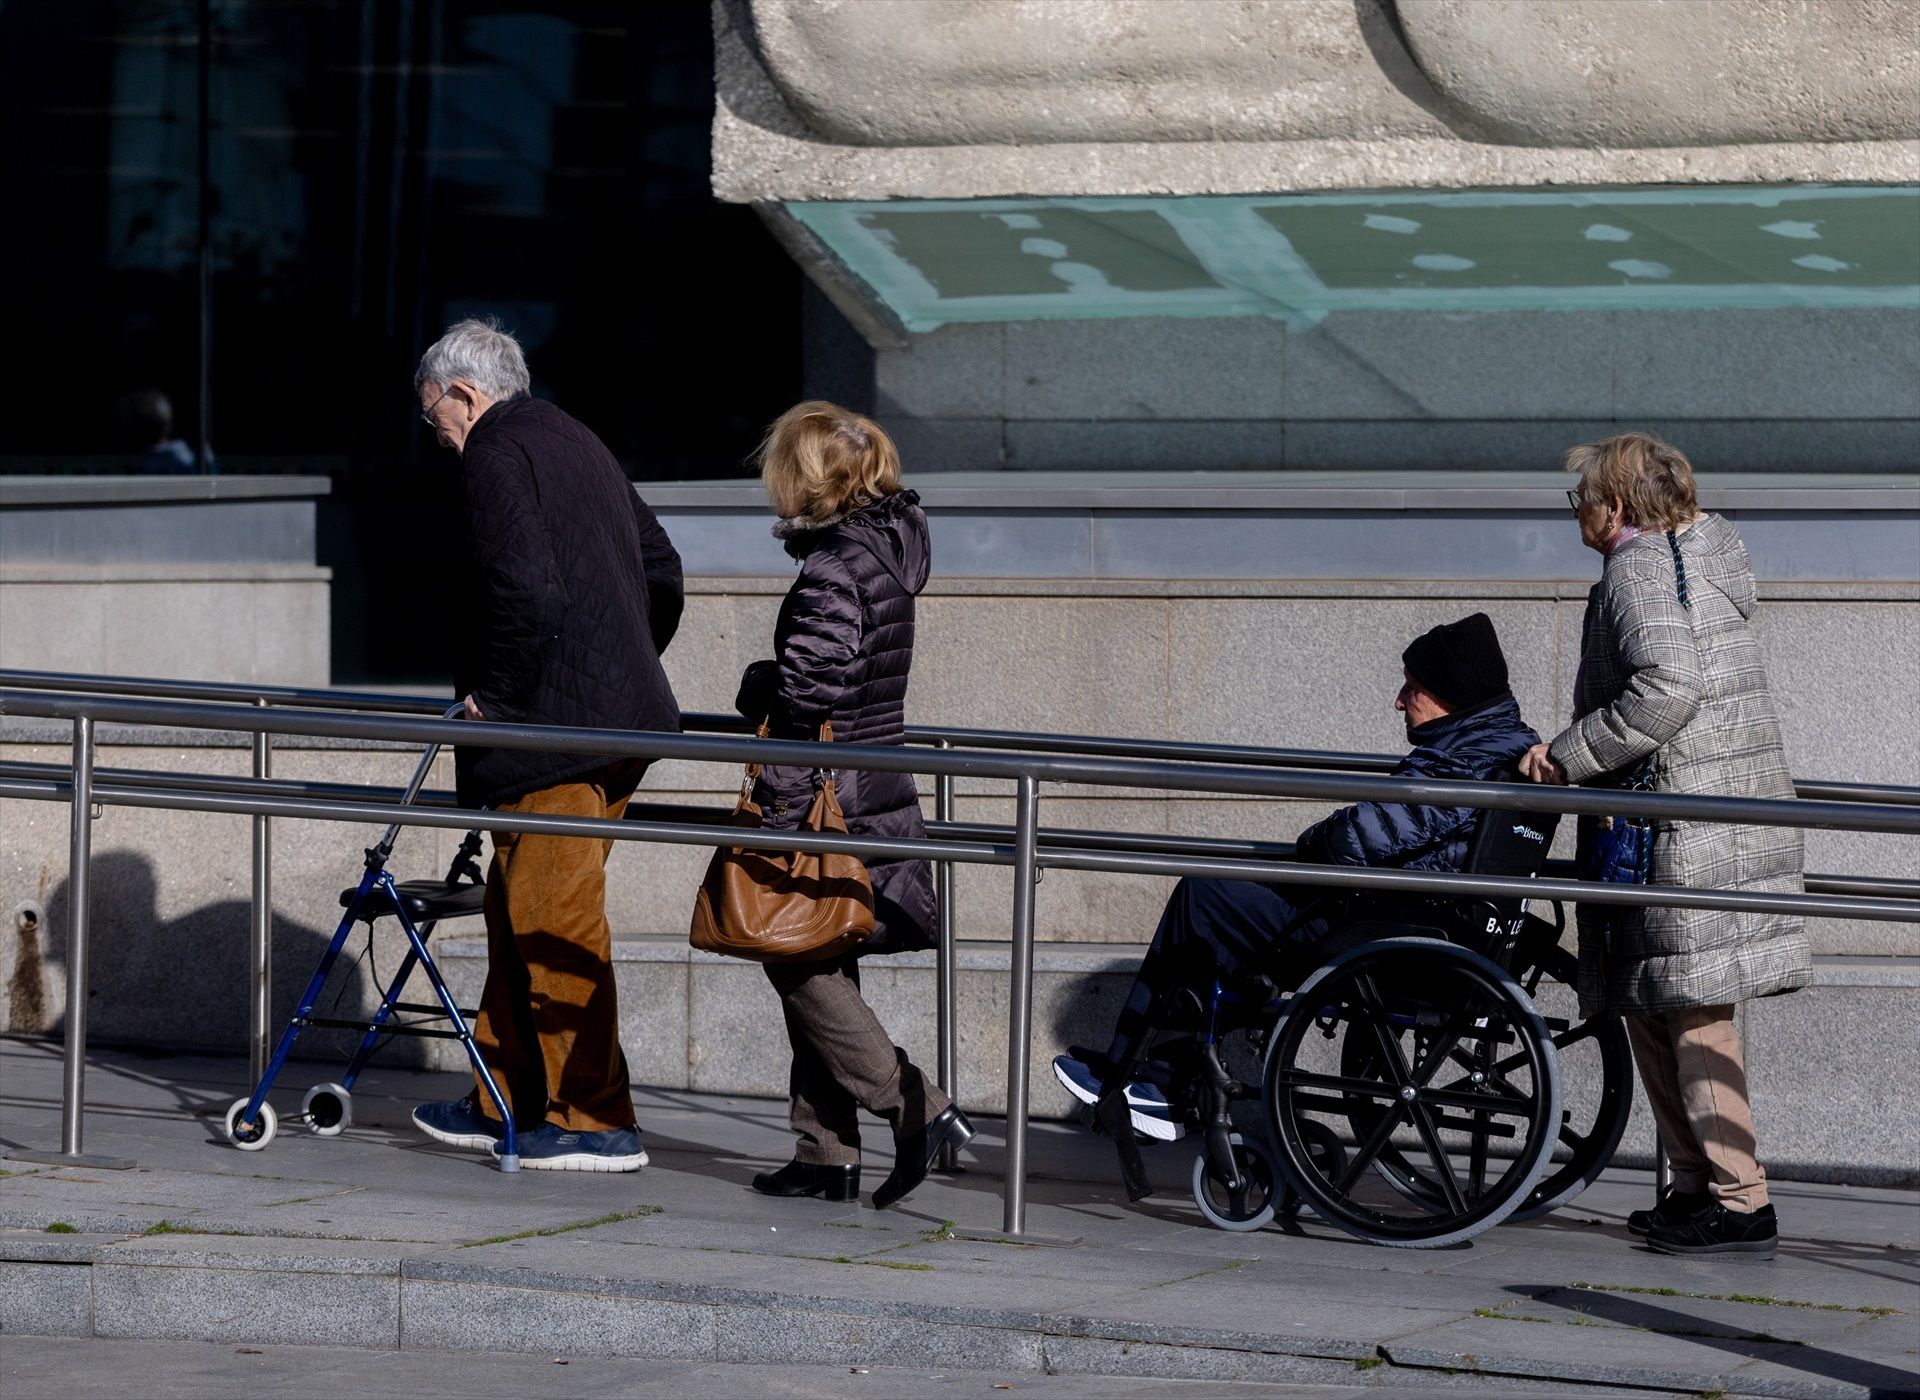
column 1026, row 872
column 73, row 1086
column 73, row 1083
column 945, row 971
column 260, row 942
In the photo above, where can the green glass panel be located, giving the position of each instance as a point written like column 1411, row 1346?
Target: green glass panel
column 1835, row 242
column 979, row 254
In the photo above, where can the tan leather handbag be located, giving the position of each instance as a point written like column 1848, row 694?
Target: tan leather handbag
column 784, row 906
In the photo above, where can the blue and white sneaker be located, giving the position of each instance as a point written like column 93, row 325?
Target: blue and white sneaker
column 551, row 1148
column 1148, row 1107
column 458, row 1124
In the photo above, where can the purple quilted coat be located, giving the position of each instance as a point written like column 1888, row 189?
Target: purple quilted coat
column 843, row 646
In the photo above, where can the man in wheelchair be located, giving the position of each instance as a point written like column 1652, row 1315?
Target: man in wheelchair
column 1463, row 722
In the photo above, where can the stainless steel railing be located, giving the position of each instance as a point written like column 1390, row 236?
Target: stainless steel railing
column 291, row 712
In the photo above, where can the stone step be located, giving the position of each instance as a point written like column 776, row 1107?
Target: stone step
column 1825, row 1063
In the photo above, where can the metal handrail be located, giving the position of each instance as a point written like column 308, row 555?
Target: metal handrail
column 1025, row 854
column 939, row 736
column 974, row 763
column 1052, row 839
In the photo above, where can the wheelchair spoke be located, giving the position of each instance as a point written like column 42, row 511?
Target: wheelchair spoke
column 1477, row 1160
column 1339, row 1084
column 1586, row 1030
column 1430, row 1136
column 1364, row 1154
column 1509, row 1102
column 1374, row 1007
column 1443, row 1048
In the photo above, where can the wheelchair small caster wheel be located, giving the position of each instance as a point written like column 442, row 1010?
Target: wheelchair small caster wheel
column 259, row 1133
column 1249, row 1208
column 327, row 1109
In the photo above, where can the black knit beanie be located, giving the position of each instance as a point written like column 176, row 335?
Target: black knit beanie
column 1460, row 662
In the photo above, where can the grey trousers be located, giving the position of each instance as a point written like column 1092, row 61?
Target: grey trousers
column 843, row 1061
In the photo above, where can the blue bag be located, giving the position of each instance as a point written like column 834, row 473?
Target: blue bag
column 1617, row 850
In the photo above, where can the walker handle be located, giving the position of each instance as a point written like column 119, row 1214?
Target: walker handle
column 455, row 711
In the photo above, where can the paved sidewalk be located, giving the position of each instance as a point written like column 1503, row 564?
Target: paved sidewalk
column 379, row 1239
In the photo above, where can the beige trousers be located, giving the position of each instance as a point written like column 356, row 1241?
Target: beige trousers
column 1696, row 1083
column 549, row 1023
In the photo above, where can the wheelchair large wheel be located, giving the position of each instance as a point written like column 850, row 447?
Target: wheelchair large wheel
column 1596, row 1077
column 1596, row 1072
column 1414, row 1003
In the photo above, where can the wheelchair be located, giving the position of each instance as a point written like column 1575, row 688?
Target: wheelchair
column 1426, row 1081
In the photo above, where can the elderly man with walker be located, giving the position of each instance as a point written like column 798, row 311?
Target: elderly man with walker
column 577, row 590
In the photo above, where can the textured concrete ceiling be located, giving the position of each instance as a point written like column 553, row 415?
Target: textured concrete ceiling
column 824, row 99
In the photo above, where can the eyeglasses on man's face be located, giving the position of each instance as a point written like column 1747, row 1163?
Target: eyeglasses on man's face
column 426, row 414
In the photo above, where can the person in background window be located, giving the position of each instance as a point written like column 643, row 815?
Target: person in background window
column 146, row 425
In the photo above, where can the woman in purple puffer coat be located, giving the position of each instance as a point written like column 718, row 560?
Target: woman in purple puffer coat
column 843, row 647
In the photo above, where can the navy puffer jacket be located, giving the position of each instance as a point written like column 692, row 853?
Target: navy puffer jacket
column 576, row 592
column 843, row 647
column 1477, row 743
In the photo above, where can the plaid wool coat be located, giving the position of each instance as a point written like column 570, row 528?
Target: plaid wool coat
column 1687, row 686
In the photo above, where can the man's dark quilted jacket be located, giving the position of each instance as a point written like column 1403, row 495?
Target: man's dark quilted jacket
column 1470, row 744
column 842, row 648
column 577, row 592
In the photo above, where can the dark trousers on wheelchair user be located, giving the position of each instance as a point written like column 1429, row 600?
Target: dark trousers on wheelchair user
column 1210, row 930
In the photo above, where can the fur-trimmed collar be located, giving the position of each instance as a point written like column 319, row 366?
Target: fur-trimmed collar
column 789, row 527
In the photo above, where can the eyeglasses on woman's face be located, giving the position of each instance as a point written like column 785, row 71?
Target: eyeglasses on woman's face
column 1576, row 499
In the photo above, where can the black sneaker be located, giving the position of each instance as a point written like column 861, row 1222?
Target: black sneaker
column 1674, row 1208
column 1717, row 1230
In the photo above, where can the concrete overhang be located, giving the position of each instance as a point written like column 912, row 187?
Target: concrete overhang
column 957, row 99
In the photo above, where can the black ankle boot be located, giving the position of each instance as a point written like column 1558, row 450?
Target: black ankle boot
column 1717, row 1230
column 913, row 1155
column 1674, row 1208
column 807, row 1179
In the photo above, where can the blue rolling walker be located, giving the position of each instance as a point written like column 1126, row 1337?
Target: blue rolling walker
column 419, row 905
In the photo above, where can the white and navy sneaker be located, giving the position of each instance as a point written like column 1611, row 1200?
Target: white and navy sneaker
column 1148, row 1107
column 458, row 1124
column 551, row 1148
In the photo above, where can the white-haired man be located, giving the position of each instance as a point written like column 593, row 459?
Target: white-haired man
column 576, row 590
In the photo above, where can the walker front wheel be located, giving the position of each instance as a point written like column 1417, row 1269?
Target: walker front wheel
column 258, row 1133
column 327, row 1109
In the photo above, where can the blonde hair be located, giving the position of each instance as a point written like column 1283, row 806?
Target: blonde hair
column 820, row 460
column 1652, row 479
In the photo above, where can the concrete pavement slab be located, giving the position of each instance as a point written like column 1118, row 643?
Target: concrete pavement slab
column 42, row 1368
column 377, row 1238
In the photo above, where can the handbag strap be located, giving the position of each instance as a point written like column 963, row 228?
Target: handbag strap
column 763, row 732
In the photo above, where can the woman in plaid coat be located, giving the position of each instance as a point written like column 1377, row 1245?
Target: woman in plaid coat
column 1671, row 674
